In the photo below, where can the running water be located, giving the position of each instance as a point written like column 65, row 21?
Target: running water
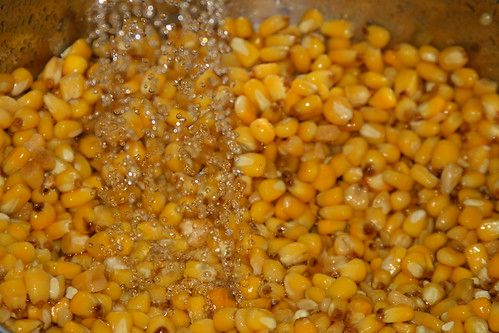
column 162, row 90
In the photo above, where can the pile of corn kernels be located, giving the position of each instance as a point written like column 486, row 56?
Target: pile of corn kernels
column 252, row 178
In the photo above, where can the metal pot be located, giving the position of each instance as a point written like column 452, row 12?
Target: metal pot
column 33, row 30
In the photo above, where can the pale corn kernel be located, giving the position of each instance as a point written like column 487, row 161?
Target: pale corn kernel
column 275, row 87
column 58, row 108
column 72, row 86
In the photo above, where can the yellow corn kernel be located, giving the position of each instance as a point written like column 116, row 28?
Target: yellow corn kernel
column 22, row 250
column 445, row 153
column 328, row 227
column 66, row 129
column 407, row 55
column 357, row 95
column 336, row 212
column 271, row 189
column 314, row 46
column 432, row 107
column 384, row 98
column 26, row 325
column 257, row 93
column 6, row 83
column 199, row 270
column 246, row 52
column 273, row 24
column 246, row 139
column 450, row 257
column 77, row 197
column 262, row 130
column 338, row 110
column 293, row 253
column 203, row 325
column 377, row 36
column 22, row 81
column 488, row 230
column 251, row 164
column 397, row 314
column 243, row 28
column 398, row 180
column 160, row 323
column 355, row 270
column 13, row 294
column 287, row 128
column 330, row 197
column 431, row 72
column 311, row 20
column 308, row 107
column 452, row 58
column 85, row 304
column 273, row 53
column 337, row 28
column 119, row 320
column 423, row 176
column 280, row 40
column 76, row 62
column 79, row 47
column 369, row 324
column 16, row 159
column 262, row 70
column 33, row 99
column 14, row 198
column 6, row 118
